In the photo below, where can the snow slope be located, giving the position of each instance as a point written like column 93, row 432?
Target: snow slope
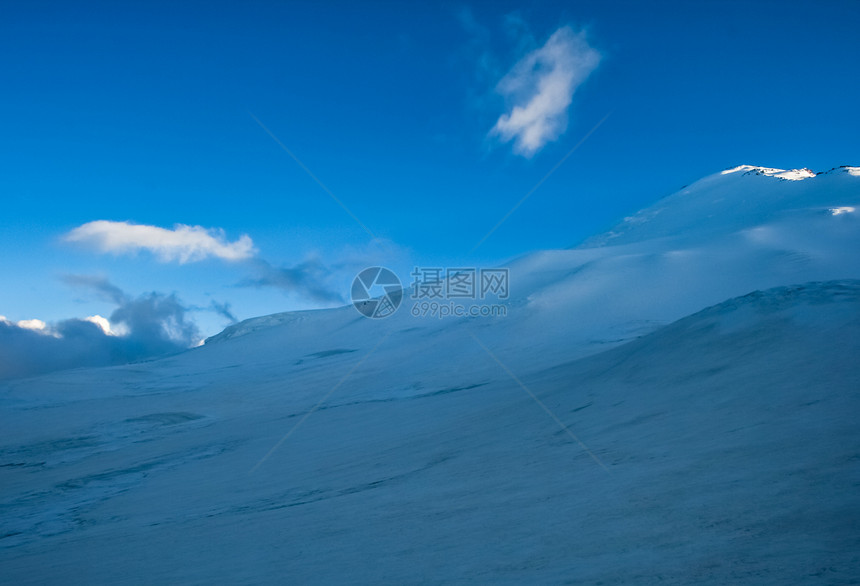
column 729, row 437
column 326, row 447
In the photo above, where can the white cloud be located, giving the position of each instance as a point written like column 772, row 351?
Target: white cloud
column 36, row 325
column 103, row 323
column 33, row 325
column 541, row 87
column 182, row 243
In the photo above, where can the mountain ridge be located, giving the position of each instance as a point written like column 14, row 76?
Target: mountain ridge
column 611, row 238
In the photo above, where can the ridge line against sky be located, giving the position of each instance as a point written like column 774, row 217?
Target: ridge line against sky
column 127, row 134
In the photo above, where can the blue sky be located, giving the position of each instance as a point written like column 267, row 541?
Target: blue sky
column 143, row 115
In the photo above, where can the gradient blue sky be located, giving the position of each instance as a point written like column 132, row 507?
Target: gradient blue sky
column 142, row 112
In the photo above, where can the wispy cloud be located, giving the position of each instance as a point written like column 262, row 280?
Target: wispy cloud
column 540, row 88
column 225, row 310
column 312, row 280
column 100, row 285
column 181, row 244
column 308, row 279
column 478, row 46
column 325, row 279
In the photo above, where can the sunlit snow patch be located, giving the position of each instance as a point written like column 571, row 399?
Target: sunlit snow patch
column 791, row 174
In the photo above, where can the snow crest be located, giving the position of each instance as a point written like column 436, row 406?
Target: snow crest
column 791, row 174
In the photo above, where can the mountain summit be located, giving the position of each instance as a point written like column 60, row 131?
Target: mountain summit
column 744, row 197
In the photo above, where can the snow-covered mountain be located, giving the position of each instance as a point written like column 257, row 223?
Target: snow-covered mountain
column 673, row 400
column 742, row 198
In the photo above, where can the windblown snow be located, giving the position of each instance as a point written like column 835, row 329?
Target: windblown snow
column 673, row 401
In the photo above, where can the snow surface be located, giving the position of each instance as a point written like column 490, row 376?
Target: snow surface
column 726, row 444
column 792, row 174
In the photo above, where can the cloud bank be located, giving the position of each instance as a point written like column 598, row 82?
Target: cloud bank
column 181, row 244
column 140, row 327
column 540, row 88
